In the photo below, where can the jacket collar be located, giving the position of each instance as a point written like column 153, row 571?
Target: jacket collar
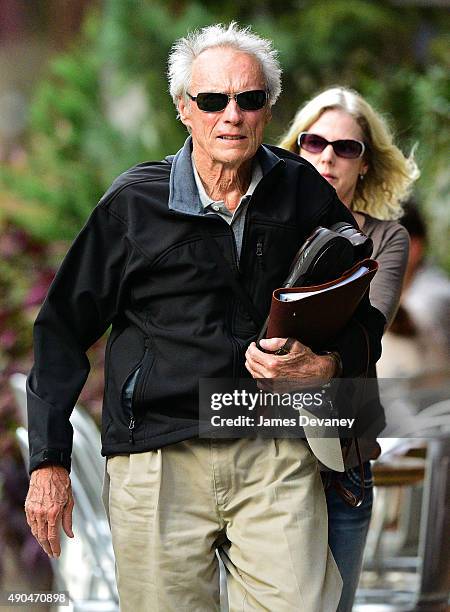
column 183, row 194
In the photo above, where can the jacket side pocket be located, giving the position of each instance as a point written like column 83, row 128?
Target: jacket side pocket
column 131, row 388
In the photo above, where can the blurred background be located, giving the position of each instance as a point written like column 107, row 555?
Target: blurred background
column 83, row 96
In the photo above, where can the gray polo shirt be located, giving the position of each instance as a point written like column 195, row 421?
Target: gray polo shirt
column 237, row 218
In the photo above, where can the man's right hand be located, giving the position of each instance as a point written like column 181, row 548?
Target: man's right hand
column 49, row 504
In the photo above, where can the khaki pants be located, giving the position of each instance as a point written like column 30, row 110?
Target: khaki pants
column 261, row 502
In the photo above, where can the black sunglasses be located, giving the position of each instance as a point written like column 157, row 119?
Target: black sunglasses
column 213, row 102
column 350, row 149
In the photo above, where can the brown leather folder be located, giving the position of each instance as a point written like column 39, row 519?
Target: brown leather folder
column 319, row 317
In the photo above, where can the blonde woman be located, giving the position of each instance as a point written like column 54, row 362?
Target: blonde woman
column 351, row 146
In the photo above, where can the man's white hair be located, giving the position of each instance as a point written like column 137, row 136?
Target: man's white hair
column 185, row 50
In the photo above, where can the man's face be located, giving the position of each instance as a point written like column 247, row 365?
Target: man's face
column 231, row 136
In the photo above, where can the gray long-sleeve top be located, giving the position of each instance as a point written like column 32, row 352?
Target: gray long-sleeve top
column 390, row 249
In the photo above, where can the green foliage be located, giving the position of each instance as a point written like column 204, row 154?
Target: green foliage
column 105, row 104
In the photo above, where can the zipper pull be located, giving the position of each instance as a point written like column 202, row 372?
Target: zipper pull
column 259, row 249
column 131, row 428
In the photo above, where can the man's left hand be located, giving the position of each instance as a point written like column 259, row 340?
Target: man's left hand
column 300, row 364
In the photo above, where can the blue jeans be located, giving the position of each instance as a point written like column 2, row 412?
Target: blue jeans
column 347, row 530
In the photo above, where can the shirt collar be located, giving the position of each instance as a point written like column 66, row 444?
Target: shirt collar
column 183, row 192
column 207, row 201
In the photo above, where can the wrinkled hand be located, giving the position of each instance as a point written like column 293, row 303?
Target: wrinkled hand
column 49, row 504
column 300, row 364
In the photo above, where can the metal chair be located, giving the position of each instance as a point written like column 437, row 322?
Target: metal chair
column 431, row 587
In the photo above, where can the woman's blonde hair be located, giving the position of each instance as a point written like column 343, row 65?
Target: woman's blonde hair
column 390, row 174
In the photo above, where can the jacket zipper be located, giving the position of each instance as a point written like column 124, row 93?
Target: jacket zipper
column 132, row 421
column 260, row 251
column 233, row 309
column 234, row 343
column 235, row 304
column 131, row 428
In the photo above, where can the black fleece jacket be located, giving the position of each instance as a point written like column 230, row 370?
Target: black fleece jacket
column 141, row 265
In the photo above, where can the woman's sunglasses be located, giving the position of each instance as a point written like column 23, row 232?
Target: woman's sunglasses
column 350, row 149
column 215, row 102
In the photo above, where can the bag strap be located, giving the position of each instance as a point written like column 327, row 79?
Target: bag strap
column 348, row 497
column 231, row 278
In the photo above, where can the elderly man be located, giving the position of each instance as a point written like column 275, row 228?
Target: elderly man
column 143, row 264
